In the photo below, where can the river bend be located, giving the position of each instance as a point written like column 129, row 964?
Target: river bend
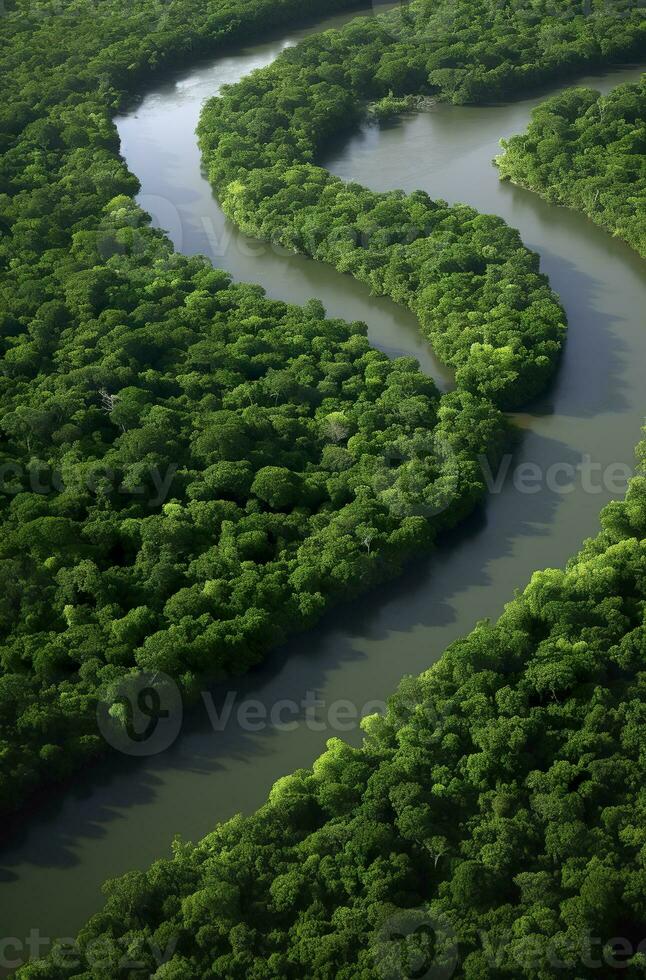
column 587, row 424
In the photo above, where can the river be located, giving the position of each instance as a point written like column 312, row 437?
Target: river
column 125, row 816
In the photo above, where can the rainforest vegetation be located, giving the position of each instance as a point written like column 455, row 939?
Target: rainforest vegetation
column 291, row 472
column 587, row 151
column 477, row 297
column 502, row 799
column 190, row 471
column 161, row 429
column 253, row 462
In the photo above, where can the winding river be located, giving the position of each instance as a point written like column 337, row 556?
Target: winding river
column 575, row 450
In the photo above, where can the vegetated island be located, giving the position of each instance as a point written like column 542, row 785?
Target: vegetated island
column 297, row 473
column 588, row 151
column 502, row 794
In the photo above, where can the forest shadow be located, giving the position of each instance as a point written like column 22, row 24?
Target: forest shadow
column 425, row 596
column 591, row 378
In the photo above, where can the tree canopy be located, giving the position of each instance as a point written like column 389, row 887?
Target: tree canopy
column 190, row 471
column 477, row 294
column 588, row 151
column 491, row 824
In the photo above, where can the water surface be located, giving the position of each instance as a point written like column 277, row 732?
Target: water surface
column 125, row 817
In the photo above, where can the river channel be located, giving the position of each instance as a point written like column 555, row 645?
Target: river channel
column 579, row 439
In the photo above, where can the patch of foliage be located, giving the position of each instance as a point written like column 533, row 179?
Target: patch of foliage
column 393, row 105
column 189, row 471
column 500, row 801
column 476, row 291
column 588, row 152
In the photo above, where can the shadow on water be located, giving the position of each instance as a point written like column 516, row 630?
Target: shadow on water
column 423, row 596
column 591, row 378
column 124, row 815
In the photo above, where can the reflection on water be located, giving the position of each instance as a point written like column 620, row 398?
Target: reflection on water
column 125, row 818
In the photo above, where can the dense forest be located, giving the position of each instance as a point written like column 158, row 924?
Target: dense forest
column 183, row 484
column 501, row 799
column 587, row 151
column 171, row 442
column 478, row 299
column 243, row 475
column 190, row 471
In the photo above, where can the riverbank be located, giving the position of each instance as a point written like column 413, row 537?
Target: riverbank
column 595, row 408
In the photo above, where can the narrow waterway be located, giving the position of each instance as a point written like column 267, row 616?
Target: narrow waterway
column 126, row 816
